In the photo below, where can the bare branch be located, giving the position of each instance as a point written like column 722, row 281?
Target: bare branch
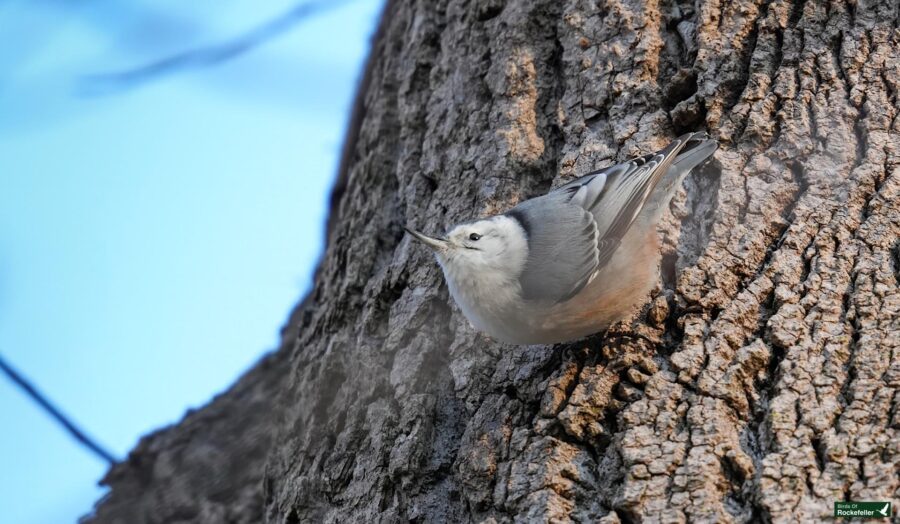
column 54, row 412
column 212, row 55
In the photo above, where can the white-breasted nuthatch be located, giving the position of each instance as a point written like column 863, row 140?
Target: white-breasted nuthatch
column 569, row 263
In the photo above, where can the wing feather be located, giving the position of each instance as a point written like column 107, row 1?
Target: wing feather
column 575, row 230
column 562, row 248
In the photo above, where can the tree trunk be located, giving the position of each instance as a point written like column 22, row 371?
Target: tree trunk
column 761, row 379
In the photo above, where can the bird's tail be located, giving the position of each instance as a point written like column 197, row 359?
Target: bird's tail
column 698, row 148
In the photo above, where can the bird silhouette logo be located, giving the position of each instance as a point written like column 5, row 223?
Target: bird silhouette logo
column 884, row 511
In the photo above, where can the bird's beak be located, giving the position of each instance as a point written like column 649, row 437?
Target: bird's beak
column 436, row 244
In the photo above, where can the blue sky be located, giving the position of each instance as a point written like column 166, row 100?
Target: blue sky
column 153, row 240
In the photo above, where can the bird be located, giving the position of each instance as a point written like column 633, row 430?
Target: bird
column 565, row 265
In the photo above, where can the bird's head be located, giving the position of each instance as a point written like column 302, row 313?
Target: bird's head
column 495, row 246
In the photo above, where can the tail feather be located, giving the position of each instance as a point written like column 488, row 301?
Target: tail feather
column 698, row 148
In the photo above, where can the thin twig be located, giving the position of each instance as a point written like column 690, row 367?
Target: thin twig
column 212, row 55
column 54, row 412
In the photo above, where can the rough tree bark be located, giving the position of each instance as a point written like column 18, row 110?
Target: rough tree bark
column 760, row 381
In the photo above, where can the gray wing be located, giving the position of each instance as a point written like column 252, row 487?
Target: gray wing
column 574, row 230
column 563, row 245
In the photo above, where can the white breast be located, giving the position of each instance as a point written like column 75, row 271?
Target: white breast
column 489, row 300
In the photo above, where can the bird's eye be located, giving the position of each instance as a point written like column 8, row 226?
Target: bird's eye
column 474, row 236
